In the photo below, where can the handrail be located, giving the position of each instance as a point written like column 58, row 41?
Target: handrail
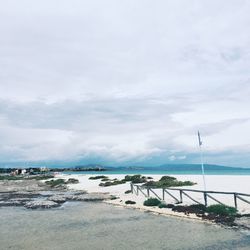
column 197, row 191
column 206, row 194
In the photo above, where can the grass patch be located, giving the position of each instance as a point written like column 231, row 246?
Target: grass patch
column 129, row 202
column 10, row 178
column 41, row 177
column 97, row 177
column 168, row 181
column 28, row 177
column 151, row 202
column 224, row 210
column 55, row 183
column 72, row 181
column 111, row 183
column 135, row 178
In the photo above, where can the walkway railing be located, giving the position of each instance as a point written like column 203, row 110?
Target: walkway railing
column 146, row 191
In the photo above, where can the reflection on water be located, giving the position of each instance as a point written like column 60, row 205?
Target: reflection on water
column 101, row 226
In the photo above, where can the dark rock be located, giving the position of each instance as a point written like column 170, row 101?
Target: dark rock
column 41, row 204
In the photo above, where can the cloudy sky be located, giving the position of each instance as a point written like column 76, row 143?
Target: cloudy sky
column 125, row 82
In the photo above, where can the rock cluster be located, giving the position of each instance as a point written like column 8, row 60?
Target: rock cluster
column 51, row 199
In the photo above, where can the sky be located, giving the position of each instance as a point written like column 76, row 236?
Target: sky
column 125, row 82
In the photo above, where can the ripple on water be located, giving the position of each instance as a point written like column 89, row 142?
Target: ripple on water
column 102, row 226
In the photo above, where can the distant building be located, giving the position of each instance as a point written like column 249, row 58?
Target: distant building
column 44, row 169
column 23, row 171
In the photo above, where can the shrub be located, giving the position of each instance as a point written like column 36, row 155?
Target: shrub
column 135, row 178
column 162, row 205
column 111, row 183
column 168, row 181
column 41, row 177
column 169, row 205
column 9, row 177
column 180, row 209
column 72, row 181
column 105, row 179
column 219, row 209
column 113, row 197
column 167, row 178
column 128, row 192
column 150, row 184
column 200, row 207
column 192, row 209
column 35, row 177
column 128, row 202
column 55, row 183
column 97, row 177
column 152, row 202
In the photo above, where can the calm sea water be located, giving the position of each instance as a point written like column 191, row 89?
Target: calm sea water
column 145, row 171
column 90, row 226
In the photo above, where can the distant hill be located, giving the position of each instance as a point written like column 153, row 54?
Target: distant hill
column 184, row 167
column 166, row 167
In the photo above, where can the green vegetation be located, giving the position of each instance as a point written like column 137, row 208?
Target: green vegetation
column 41, row 177
column 129, row 202
column 222, row 210
column 56, row 183
column 98, row 177
column 151, row 202
column 111, row 183
column 72, row 181
column 113, row 197
column 162, row 205
column 168, row 181
column 135, row 178
column 128, row 191
column 192, row 209
column 164, row 182
column 105, row 179
column 10, row 177
column 28, row 177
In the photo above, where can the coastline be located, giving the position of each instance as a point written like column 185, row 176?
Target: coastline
column 215, row 183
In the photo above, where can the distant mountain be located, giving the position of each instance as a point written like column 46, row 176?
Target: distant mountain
column 183, row 167
column 167, row 167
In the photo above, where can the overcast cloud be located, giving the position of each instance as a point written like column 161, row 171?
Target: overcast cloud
column 125, row 81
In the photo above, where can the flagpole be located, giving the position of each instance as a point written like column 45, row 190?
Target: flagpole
column 202, row 164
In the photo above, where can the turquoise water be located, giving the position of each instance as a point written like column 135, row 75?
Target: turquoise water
column 165, row 172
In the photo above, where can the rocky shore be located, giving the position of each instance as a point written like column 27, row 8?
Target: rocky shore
column 45, row 192
column 34, row 194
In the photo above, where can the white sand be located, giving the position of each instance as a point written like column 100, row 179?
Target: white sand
column 226, row 183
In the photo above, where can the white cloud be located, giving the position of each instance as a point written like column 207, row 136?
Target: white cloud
column 124, row 80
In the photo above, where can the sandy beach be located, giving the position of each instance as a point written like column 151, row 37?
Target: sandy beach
column 226, row 183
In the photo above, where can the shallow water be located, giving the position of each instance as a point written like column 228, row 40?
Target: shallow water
column 102, row 226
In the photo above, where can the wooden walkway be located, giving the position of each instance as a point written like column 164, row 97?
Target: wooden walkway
column 148, row 191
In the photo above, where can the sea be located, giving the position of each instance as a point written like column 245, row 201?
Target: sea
column 163, row 171
column 100, row 226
